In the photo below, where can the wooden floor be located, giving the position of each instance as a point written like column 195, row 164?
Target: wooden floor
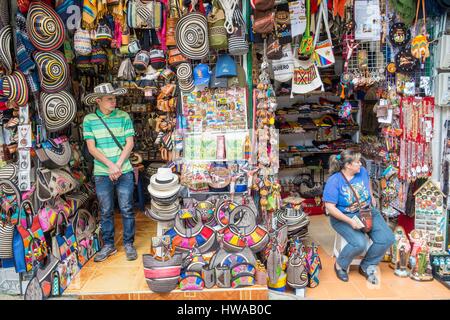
column 117, row 278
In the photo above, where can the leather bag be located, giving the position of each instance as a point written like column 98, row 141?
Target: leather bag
column 365, row 214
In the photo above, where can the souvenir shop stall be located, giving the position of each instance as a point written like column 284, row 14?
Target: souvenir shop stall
column 236, row 106
column 400, row 141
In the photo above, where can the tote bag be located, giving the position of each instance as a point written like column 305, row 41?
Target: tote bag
column 306, row 77
column 283, row 69
column 323, row 50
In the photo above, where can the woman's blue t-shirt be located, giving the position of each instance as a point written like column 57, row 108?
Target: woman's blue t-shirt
column 338, row 191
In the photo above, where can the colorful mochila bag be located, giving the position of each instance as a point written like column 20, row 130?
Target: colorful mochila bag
column 419, row 44
column 323, row 50
column 306, row 48
column 306, row 77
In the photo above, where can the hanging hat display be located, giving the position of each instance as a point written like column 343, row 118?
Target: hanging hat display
column 14, row 87
column 53, row 70
column 192, row 36
column 5, row 48
column 59, row 110
column 46, row 29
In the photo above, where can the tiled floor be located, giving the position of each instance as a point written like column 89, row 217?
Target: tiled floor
column 118, row 278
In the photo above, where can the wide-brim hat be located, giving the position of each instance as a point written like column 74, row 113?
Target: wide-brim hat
column 159, row 217
column 15, row 88
column 59, row 110
column 164, row 184
column 45, row 27
column 162, row 213
column 102, row 90
column 191, row 35
column 158, row 193
column 5, row 48
column 53, row 70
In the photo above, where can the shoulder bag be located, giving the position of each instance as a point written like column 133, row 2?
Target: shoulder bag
column 264, row 22
column 162, row 272
column 297, row 272
column 217, row 32
column 306, row 45
column 171, row 23
column 323, row 50
column 365, row 214
column 306, row 77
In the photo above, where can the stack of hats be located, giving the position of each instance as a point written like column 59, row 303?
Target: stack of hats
column 163, row 188
column 296, row 220
column 185, row 78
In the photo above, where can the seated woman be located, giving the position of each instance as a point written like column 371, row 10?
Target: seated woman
column 348, row 179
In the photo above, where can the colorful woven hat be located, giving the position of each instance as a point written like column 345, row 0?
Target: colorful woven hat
column 5, row 48
column 192, row 36
column 59, row 110
column 53, row 70
column 103, row 89
column 46, row 29
column 14, row 87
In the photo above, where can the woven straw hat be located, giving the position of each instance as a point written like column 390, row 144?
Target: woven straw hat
column 14, row 88
column 45, row 27
column 53, row 70
column 59, row 110
column 191, row 36
column 102, row 90
column 5, row 48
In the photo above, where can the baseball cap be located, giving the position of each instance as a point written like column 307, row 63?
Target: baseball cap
column 239, row 80
column 226, row 66
column 202, row 75
column 218, row 82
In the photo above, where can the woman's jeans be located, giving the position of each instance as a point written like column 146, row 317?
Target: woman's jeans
column 381, row 235
column 124, row 187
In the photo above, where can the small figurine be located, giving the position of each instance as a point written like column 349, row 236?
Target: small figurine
column 402, row 252
column 420, row 264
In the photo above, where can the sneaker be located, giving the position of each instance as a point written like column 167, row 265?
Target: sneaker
column 104, row 253
column 370, row 274
column 130, row 252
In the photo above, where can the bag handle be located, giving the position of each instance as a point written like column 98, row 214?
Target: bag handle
column 175, row 8
column 308, row 18
column 424, row 14
column 353, row 190
column 323, row 14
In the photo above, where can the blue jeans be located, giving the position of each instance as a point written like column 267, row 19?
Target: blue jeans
column 381, row 235
column 124, row 187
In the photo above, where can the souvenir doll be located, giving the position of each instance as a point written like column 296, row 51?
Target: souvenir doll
column 421, row 270
column 402, row 253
